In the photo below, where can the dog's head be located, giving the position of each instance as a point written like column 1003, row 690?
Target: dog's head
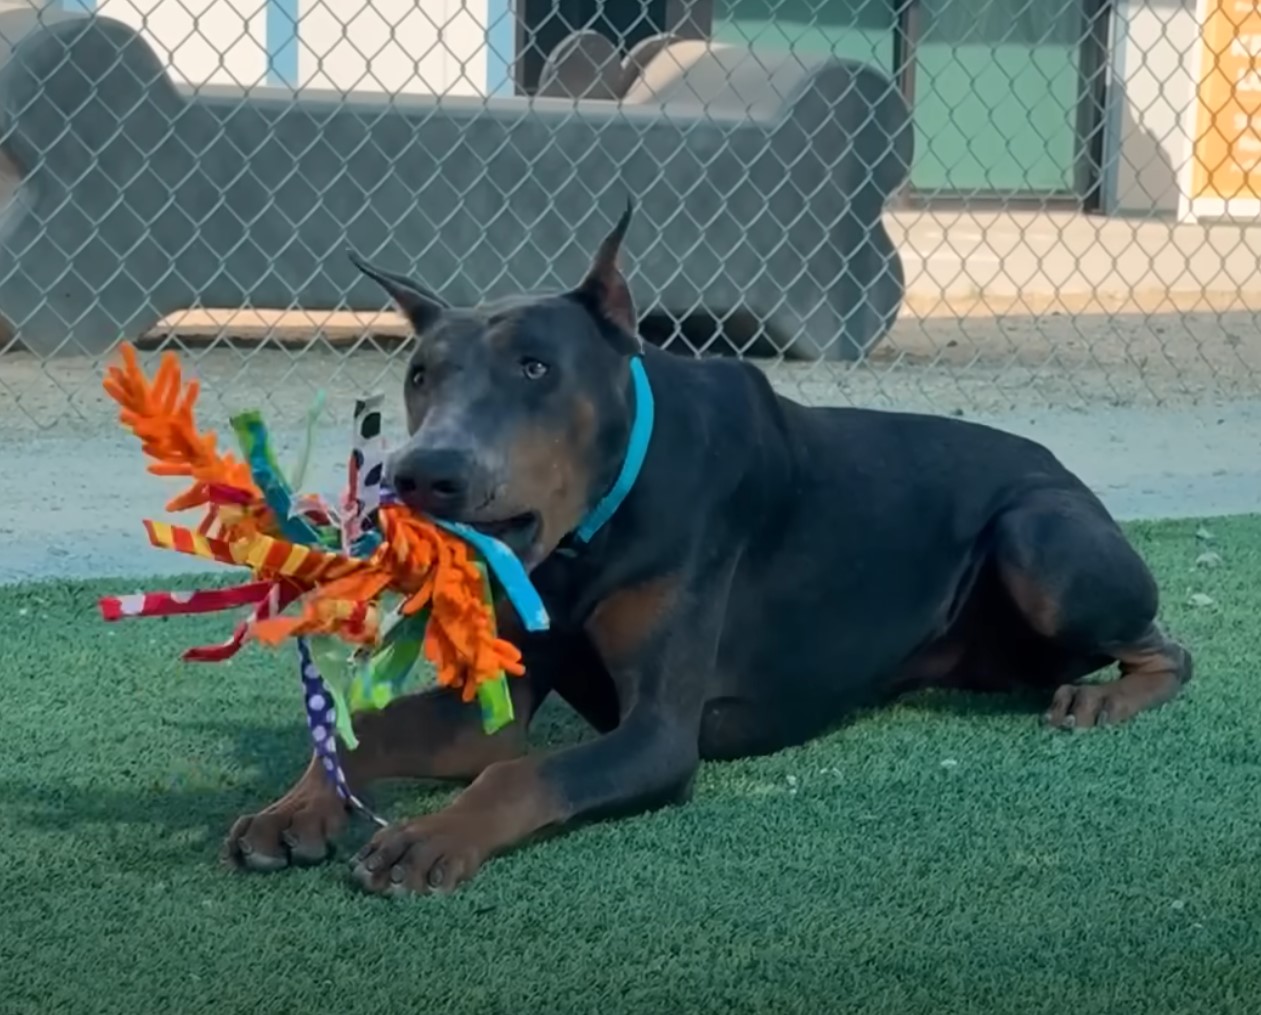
column 519, row 411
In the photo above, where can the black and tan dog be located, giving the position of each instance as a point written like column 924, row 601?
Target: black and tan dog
column 764, row 571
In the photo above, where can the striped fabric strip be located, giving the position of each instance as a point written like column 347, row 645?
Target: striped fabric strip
column 279, row 596
column 220, row 493
column 165, row 536
column 170, row 604
column 273, row 557
column 211, row 527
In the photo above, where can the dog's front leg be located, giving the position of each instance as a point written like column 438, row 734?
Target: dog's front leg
column 644, row 761
column 431, row 735
column 658, row 643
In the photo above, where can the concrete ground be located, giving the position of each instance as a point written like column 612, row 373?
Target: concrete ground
column 1065, row 261
column 1130, row 348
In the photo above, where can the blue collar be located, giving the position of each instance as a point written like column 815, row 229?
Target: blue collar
column 503, row 562
column 636, row 450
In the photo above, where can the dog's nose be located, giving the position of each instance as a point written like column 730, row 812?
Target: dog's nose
column 433, row 480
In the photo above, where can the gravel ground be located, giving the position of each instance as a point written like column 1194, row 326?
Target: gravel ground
column 970, row 365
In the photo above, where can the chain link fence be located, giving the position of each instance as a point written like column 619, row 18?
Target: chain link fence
column 995, row 205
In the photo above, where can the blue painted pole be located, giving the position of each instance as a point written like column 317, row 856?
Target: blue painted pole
column 501, row 39
column 282, row 42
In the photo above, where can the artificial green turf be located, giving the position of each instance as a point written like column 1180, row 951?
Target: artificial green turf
column 946, row 855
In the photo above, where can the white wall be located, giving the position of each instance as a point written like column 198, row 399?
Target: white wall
column 420, row 47
column 220, row 42
column 414, row 46
column 1152, row 91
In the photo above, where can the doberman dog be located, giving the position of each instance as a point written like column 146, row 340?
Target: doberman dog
column 770, row 569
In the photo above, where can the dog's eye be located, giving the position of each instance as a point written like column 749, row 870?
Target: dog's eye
column 417, row 377
column 533, row 369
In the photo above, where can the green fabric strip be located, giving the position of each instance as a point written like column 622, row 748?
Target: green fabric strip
column 298, row 474
column 251, row 434
column 492, row 696
column 391, row 671
column 336, row 668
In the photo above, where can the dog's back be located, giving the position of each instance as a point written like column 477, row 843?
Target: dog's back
column 858, row 531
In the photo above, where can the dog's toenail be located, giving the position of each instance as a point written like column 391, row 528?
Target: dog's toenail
column 397, row 874
column 436, row 875
column 245, row 847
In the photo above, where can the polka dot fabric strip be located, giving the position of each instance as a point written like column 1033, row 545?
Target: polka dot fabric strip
column 360, row 534
column 321, row 717
column 360, row 537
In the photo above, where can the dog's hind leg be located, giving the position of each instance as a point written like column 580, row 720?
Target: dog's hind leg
column 432, row 735
column 1082, row 587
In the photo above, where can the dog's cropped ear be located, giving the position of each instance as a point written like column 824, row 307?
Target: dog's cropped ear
column 415, row 302
column 604, row 291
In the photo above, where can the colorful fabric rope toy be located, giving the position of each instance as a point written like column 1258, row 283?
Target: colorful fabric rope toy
column 365, row 589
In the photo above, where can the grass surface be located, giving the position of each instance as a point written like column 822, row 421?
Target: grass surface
column 946, row 855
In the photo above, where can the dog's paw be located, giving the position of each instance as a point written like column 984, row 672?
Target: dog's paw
column 296, row 831
column 435, row 853
column 1087, row 706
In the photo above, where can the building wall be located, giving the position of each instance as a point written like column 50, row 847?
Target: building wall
column 422, row 47
column 440, row 47
column 1151, row 93
column 434, row 47
column 221, row 42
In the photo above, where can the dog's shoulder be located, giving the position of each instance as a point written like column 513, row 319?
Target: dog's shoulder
column 917, row 467
column 721, row 395
column 722, row 403
column 917, row 438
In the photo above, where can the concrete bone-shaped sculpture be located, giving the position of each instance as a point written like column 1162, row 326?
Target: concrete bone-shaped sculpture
column 760, row 185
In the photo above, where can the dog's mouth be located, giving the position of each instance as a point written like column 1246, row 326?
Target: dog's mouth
column 519, row 533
